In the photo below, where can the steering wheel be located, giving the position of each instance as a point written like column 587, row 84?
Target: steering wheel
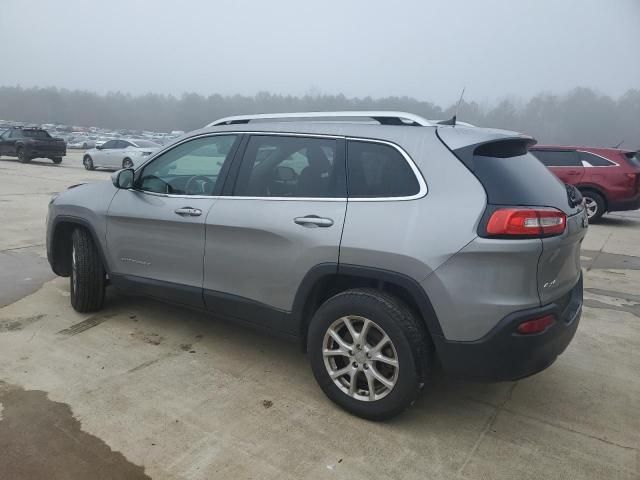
column 197, row 185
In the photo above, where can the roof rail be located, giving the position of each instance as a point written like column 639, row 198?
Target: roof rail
column 382, row 117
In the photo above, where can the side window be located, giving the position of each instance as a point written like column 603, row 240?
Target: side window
column 378, row 170
column 591, row 160
column 16, row 133
column 123, row 144
column 281, row 166
column 108, row 145
column 564, row 158
column 191, row 168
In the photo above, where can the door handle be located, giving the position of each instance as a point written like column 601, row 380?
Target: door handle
column 188, row 212
column 313, row 221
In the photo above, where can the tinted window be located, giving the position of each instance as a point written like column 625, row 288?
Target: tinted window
column 110, row 144
column 552, row 158
column 594, row 160
column 378, row 170
column 191, row 168
column 519, row 180
column 634, row 159
column 280, row 166
column 32, row 134
column 122, row 144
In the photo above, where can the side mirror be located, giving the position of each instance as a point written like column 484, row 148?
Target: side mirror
column 99, row 147
column 123, row 178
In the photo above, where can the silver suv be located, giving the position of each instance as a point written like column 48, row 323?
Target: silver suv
column 385, row 244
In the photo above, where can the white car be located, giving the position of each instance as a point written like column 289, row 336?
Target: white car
column 118, row 154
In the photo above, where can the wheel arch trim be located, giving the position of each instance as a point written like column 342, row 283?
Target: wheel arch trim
column 324, row 271
column 52, row 248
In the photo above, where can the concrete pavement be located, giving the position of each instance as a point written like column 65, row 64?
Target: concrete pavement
column 142, row 389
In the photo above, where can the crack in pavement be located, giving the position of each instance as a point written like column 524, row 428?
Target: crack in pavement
column 490, row 422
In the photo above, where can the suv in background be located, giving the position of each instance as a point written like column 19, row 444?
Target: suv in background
column 382, row 248
column 608, row 178
column 28, row 143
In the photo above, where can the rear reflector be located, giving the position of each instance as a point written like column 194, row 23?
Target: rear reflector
column 536, row 326
column 534, row 222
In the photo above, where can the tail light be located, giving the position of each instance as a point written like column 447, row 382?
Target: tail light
column 634, row 180
column 526, row 222
column 536, row 325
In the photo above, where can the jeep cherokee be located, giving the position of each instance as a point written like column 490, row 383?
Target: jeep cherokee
column 385, row 244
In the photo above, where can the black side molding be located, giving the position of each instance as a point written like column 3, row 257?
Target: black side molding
column 53, row 249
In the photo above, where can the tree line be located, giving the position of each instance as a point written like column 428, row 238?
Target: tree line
column 581, row 116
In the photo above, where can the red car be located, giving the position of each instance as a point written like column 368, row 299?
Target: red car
column 609, row 178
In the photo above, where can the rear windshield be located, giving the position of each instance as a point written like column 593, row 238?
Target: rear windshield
column 145, row 144
column 520, row 180
column 634, row 158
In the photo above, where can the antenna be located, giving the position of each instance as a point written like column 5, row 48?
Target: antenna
column 620, row 144
column 452, row 120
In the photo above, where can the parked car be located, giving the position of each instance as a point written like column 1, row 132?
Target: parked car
column 608, row 178
column 119, row 154
column 458, row 247
column 83, row 143
column 29, row 143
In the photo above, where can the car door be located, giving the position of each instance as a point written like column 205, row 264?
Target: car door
column 156, row 230
column 565, row 164
column 101, row 155
column 283, row 217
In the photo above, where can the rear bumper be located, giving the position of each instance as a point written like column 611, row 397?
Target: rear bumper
column 621, row 205
column 503, row 354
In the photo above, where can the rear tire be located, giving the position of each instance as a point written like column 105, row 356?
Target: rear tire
column 87, row 280
column 22, row 155
column 408, row 345
column 127, row 163
column 87, row 161
column 595, row 205
column 57, row 160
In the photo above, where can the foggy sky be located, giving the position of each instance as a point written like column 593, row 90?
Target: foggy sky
column 425, row 49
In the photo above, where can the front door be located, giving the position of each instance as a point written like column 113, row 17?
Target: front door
column 283, row 218
column 156, row 232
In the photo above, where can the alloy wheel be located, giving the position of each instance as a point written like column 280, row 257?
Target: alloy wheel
column 360, row 358
column 591, row 205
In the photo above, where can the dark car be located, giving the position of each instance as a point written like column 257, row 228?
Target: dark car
column 609, row 178
column 30, row 143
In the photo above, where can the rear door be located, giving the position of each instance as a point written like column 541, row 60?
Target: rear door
column 565, row 164
column 156, row 231
column 283, row 217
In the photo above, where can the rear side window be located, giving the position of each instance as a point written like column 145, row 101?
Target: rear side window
column 519, row 180
column 282, row 166
column 378, row 170
column 559, row 158
column 591, row 160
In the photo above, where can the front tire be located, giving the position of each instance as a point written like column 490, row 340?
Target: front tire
column 87, row 161
column 595, row 204
column 87, row 281
column 127, row 163
column 57, row 160
column 369, row 353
